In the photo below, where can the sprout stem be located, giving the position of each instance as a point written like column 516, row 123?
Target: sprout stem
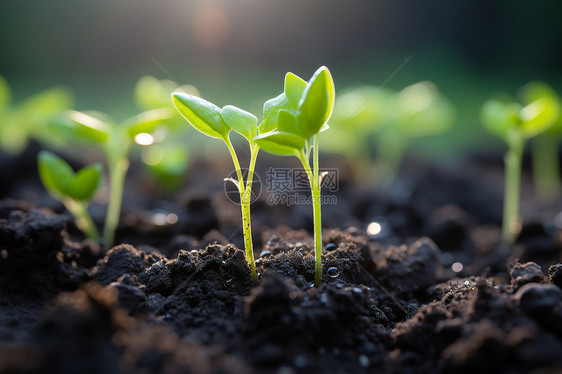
column 245, row 191
column 84, row 222
column 510, row 226
column 546, row 166
column 117, row 172
column 314, row 178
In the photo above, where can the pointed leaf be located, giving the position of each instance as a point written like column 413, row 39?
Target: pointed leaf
column 86, row 182
column 88, row 127
column 280, row 143
column 294, row 88
column 317, row 102
column 55, row 174
column 244, row 123
column 204, row 116
column 535, row 90
column 270, row 110
column 145, row 122
column 538, row 116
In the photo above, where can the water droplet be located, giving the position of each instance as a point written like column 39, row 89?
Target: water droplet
column 457, row 267
column 311, row 284
column 299, row 244
column 333, row 272
column 265, row 253
column 331, row 246
column 467, row 283
column 374, row 229
column 194, row 251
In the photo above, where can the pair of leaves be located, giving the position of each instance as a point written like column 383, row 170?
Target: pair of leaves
column 213, row 121
column 61, row 181
column 98, row 128
column 299, row 113
column 499, row 117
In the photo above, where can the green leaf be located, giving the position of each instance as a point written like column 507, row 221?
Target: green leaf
column 55, row 174
column 538, row 116
column 317, row 102
column 204, row 116
column 85, row 182
column 145, row 122
column 270, row 110
column 244, row 123
column 280, row 143
column 535, row 90
column 287, row 122
column 498, row 117
column 5, row 93
column 47, row 103
column 294, row 88
column 88, row 127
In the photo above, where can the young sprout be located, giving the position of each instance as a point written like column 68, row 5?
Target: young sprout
column 514, row 124
column 167, row 160
column 115, row 141
column 27, row 120
column 215, row 122
column 359, row 113
column 545, row 146
column 74, row 190
column 292, row 123
column 418, row 110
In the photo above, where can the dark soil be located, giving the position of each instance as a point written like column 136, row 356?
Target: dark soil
column 432, row 292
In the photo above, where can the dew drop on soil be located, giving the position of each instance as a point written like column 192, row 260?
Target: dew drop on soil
column 457, row 267
column 379, row 228
column 333, row 272
column 265, row 253
column 193, row 251
column 331, row 246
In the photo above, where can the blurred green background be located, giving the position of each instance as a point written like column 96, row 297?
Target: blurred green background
column 237, row 52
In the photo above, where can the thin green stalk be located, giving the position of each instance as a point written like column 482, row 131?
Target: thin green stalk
column 314, row 179
column 117, row 172
column 245, row 191
column 317, row 215
column 546, row 166
column 83, row 219
column 512, row 189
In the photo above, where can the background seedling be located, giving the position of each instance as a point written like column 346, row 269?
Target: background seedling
column 115, row 141
column 514, row 124
column 389, row 119
column 215, row 122
column 545, row 146
column 27, row 120
column 168, row 158
column 292, row 122
column 74, row 190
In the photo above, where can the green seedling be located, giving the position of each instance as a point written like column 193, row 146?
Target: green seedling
column 215, row 122
column 515, row 124
column 291, row 127
column 359, row 113
column 74, row 190
column 166, row 159
column 26, row 120
column 545, row 146
column 417, row 111
column 115, row 141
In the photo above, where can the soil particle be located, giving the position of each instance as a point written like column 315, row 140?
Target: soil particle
column 120, row 260
column 538, row 300
column 555, row 274
column 522, row 274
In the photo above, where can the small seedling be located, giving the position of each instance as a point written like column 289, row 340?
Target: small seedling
column 74, row 190
column 166, row 159
column 291, row 127
column 26, row 120
column 215, row 122
column 115, row 141
column 418, row 110
column 545, row 146
column 515, row 124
